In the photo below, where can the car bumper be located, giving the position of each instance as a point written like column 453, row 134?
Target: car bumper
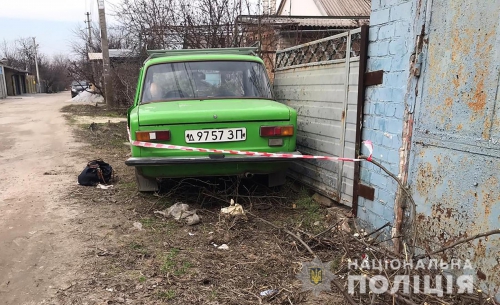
column 212, row 159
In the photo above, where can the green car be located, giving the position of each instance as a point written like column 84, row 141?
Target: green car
column 213, row 99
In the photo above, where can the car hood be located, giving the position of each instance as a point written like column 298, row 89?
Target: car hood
column 211, row 111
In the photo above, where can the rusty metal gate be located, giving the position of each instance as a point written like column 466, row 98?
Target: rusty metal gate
column 455, row 161
column 320, row 80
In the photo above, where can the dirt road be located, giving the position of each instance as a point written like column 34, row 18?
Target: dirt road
column 39, row 248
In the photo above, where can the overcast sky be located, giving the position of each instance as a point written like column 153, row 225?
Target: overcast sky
column 52, row 22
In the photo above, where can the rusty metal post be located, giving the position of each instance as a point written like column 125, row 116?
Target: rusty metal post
column 363, row 57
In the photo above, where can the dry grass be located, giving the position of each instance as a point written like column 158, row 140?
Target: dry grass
column 163, row 263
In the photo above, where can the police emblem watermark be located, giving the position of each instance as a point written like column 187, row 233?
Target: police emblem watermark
column 437, row 284
column 316, row 276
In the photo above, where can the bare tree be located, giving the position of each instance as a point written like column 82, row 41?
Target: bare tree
column 176, row 24
column 81, row 68
column 147, row 23
column 55, row 72
column 20, row 53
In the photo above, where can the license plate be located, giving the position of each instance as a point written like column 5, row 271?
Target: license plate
column 216, row 135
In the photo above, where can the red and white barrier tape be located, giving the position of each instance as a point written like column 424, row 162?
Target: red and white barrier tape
column 368, row 144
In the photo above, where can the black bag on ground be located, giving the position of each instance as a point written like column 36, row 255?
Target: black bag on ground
column 96, row 171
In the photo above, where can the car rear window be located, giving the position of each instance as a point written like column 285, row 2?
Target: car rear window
column 206, row 80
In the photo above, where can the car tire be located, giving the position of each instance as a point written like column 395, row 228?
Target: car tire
column 145, row 184
column 276, row 179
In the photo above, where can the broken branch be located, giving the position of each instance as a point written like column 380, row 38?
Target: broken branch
column 492, row 232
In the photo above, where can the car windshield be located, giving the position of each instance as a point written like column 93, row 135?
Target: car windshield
column 79, row 84
column 206, row 80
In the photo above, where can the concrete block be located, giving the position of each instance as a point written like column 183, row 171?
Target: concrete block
column 387, row 31
column 380, row 152
column 388, row 212
column 379, row 180
column 367, row 165
column 361, row 203
column 368, row 122
column 377, row 93
column 388, row 3
column 380, row 108
column 362, row 212
column 398, row 46
column 379, row 63
column 394, row 126
column 389, row 139
column 373, row 33
column 400, row 62
column 389, row 109
column 402, row 11
column 394, row 168
column 373, row 135
column 379, row 48
column 399, row 110
column 374, row 218
column 365, row 175
column 384, row 197
column 395, row 79
column 371, row 109
column 366, row 133
column 393, row 156
column 371, row 205
column 375, row 5
column 398, row 96
column 370, row 91
column 379, row 124
column 380, row 16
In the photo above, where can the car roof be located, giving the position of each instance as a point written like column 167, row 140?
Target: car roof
column 202, row 57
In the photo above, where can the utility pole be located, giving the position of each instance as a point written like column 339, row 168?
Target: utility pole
column 106, row 67
column 89, row 48
column 89, row 28
column 38, row 89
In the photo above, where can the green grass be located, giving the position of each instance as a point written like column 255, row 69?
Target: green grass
column 166, row 295
column 128, row 185
column 70, row 118
column 114, row 115
column 171, row 264
column 310, row 211
column 213, row 295
column 334, row 267
column 147, row 222
column 139, row 248
column 183, row 269
column 142, row 279
column 117, row 142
